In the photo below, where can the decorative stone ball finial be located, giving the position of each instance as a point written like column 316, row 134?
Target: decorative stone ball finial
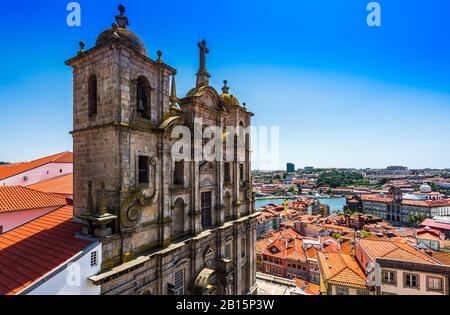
column 122, row 20
column 245, row 105
column 226, row 88
column 159, row 53
column 82, row 45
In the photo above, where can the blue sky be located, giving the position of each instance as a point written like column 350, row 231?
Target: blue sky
column 343, row 94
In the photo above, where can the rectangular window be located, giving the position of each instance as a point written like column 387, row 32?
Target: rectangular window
column 143, row 170
column 179, row 282
column 341, row 290
column 179, row 173
column 243, row 247
column 206, row 205
column 241, row 173
column 94, row 259
column 227, row 175
column 227, row 253
column 280, row 273
column 362, row 292
column 389, row 277
column 267, row 269
column 434, row 284
column 411, row 280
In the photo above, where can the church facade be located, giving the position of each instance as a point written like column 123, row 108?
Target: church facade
column 167, row 225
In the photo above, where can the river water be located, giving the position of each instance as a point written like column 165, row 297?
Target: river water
column 336, row 204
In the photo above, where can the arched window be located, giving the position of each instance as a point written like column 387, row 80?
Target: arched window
column 179, row 173
column 143, row 97
column 227, row 204
column 178, row 217
column 93, row 97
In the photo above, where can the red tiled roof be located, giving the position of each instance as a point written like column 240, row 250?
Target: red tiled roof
column 286, row 242
column 419, row 203
column 10, row 170
column 435, row 224
column 17, row 198
column 33, row 250
column 341, row 269
column 62, row 185
column 394, row 250
column 307, row 287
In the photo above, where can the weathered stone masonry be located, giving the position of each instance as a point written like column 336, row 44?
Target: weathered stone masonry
column 195, row 235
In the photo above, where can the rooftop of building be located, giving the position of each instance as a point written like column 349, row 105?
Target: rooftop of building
column 9, row 170
column 341, row 269
column 389, row 249
column 18, row 198
column 62, row 185
column 30, row 252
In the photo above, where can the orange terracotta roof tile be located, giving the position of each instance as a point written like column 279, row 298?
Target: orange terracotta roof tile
column 62, row 185
column 307, row 287
column 442, row 257
column 394, row 250
column 33, row 250
column 10, row 170
column 18, row 198
column 341, row 269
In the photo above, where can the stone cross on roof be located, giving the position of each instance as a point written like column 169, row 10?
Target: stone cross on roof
column 203, row 75
column 203, row 52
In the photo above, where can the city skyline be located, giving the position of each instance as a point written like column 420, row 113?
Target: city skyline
column 358, row 96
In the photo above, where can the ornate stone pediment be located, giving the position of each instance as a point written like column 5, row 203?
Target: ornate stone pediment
column 207, row 166
column 207, row 96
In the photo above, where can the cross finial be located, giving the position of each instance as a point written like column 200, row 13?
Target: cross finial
column 203, row 52
column 122, row 20
column 203, row 75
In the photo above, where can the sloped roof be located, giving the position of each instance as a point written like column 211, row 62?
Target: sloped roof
column 394, row 250
column 18, row 198
column 62, row 185
column 33, row 250
column 341, row 269
column 10, row 170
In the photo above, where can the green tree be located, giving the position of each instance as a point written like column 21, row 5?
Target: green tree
column 416, row 219
column 337, row 178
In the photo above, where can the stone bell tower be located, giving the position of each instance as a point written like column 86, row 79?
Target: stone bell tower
column 167, row 226
column 121, row 97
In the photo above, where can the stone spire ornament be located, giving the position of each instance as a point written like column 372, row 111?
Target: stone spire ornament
column 90, row 200
column 203, row 76
column 82, row 45
column 226, row 88
column 173, row 93
column 159, row 53
column 122, row 20
column 97, row 221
